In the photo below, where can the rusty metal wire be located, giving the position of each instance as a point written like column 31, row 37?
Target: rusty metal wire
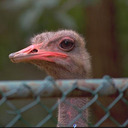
column 34, row 103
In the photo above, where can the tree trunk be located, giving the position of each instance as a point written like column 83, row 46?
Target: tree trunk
column 104, row 48
column 101, row 38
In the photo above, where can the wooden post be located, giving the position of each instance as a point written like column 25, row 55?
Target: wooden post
column 101, row 38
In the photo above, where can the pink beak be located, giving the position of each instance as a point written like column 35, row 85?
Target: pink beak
column 33, row 52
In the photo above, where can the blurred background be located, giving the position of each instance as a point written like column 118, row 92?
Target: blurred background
column 103, row 23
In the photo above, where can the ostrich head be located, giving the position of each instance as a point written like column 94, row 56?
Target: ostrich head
column 61, row 54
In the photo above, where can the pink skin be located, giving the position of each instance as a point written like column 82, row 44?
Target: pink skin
column 27, row 54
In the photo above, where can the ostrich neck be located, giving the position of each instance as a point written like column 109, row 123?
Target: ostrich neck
column 67, row 113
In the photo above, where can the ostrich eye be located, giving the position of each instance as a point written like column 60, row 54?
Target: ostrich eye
column 66, row 45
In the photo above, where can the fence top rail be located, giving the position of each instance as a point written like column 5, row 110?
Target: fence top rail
column 57, row 88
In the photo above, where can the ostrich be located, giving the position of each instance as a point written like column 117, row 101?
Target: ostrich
column 62, row 55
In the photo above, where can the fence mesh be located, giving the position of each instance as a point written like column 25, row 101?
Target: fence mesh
column 35, row 103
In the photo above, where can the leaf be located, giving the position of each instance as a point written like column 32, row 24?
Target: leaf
column 14, row 4
column 65, row 20
column 30, row 17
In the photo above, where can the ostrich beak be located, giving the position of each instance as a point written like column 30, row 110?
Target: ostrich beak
column 34, row 52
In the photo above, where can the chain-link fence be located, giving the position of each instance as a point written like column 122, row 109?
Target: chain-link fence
column 35, row 103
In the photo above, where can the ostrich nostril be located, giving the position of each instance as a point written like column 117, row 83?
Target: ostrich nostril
column 34, row 50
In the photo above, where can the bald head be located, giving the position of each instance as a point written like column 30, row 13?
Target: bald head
column 62, row 54
column 46, row 36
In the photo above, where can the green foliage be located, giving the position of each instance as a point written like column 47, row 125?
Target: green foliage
column 55, row 11
column 122, row 31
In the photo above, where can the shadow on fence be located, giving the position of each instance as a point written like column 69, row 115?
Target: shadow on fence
column 35, row 103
